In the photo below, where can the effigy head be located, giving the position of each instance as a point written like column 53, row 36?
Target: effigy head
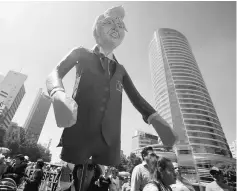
column 109, row 28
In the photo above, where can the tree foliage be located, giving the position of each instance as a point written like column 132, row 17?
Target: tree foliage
column 123, row 163
column 133, row 160
column 128, row 163
column 26, row 147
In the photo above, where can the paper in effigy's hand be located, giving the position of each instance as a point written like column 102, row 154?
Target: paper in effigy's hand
column 165, row 132
column 65, row 109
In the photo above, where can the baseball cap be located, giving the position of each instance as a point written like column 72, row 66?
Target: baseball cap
column 215, row 170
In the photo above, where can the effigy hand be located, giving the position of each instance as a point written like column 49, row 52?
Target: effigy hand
column 163, row 129
column 65, row 109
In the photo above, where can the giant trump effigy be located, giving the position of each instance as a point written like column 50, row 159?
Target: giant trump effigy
column 91, row 117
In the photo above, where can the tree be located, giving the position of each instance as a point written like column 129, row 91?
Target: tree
column 133, row 160
column 26, row 147
column 123, row 163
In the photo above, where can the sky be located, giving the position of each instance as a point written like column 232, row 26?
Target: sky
column 35, row 36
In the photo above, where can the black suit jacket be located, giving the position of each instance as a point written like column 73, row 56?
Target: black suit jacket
column 99, row 102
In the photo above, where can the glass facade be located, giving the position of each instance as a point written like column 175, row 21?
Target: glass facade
column 180, row 93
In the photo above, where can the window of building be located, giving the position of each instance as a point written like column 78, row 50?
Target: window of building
column 209, row 142
column 205, row 135
column 202, row 117
column 211, row 150
column 199, row 122
column 197, row 106
column 204, row 129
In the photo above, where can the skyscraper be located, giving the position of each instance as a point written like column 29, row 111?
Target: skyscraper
column 12, row 91
column 37, row 115
column 181, row 96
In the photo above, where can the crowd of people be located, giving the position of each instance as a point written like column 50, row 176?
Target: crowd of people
column 13, row 173
column 153, row 174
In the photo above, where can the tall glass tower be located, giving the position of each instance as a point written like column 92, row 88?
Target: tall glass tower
column 181, row 96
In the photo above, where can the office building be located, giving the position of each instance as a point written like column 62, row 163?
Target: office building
column 37, row 115
column 182, row 99
column 142, row 139
column 12, row 91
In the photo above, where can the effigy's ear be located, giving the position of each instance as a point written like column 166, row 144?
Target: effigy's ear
column 98, row 21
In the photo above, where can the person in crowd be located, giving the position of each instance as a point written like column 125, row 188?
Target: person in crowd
column 3, row 165
column 114, row 186
column 27, row 159
column 48, row 167
column 32, row 184
column 65, row 178
column 30, row 165
column 104, row 181
column 8, row 161
column 162, row 176
column 16, row 171
column 181, row 184
column 218, row 183
column 93, row 173
column 127, row 184
column 141, row 172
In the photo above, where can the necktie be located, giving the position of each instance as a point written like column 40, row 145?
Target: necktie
column 106, row 64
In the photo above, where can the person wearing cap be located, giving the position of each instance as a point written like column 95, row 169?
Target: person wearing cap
column 26, row 159
column 32, row 184
column 127, row 184
column 16, row 171
column 217, row 184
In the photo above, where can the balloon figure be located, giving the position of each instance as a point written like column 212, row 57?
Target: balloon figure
column 91, row 117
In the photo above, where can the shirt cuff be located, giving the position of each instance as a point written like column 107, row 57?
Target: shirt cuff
column 151, row 117
column 55, row 90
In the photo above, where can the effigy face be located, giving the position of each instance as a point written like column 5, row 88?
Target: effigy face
column 110, row 29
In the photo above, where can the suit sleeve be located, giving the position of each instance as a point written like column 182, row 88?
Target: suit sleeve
column 54, row 80
column 137, row 100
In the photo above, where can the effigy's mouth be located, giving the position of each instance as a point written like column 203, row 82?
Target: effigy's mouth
column 114, row 34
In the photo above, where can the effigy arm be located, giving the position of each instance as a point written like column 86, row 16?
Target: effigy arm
column 54, row 80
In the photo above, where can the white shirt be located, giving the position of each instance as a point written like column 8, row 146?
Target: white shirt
column 179, row 186
column 140, row 177
column 114, row 186
column 213, row 186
